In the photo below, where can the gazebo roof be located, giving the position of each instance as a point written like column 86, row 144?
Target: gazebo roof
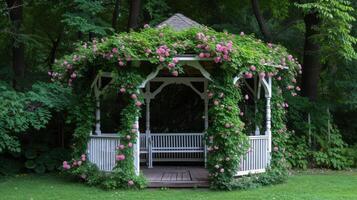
column 179, row 22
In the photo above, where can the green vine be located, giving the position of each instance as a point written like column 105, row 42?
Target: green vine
column 231, row 55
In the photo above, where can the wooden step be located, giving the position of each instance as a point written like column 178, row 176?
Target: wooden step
column 178, row 184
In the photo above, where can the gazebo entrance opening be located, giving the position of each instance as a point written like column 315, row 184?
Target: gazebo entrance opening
column 175, row 120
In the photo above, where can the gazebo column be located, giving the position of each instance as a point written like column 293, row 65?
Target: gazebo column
column 148, row 132
column 97, row 115
column 206, row 116
column 268, row 94
column 136, row 150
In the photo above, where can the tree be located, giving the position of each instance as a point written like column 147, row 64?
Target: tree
column 134, row 14
column 15, row 8
column 261, row 21
column 328, row 39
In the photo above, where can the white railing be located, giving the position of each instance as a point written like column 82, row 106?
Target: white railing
column 176, row 147
column 257, row 158
column 101, row 150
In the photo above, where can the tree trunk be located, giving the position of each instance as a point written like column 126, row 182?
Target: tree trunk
column 115, row 15
column 311, row 61
column 134, row 14
column 261, row 22
column 18, row 46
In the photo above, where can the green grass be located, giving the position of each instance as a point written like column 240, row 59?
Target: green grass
column 306, row 185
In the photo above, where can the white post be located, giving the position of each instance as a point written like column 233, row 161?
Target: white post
column 206, row 117
column 268, row 94
column 148, row 132
column 137, row 150
column 97, row 116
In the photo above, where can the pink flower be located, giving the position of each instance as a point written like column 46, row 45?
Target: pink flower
column 293, row 80
column 148, row 51
column 115, row 50
column 133, row 130
column 221, row 170
column 207, row 55
column 298, row 88
column 279, row 78
column 79, row 162
column 138, row 103
column 161, row 35
column 120, row 157
column 130, row 182
column 253, row 68
column 201, row 55
column 227, row 125
column 130, row 144
column 217, row 59
column 270, row 45
column 171, row 65
column 215, row 102
column 122, row 90
column 270, row 74
column 128, row 137
column 246, row 97
column 73, row 75
column 276, row 148
column 174, row 73
column 248, row 75
column 241, row 33
column 290, row 57
column 175, row 60
column 161, row 59
column 83, row 157
column 241, row 113
column 121, row 147
column 146, row 26
column 121, row 63
column 133, row 96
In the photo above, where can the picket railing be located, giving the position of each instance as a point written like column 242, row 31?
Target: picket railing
column 175, row 147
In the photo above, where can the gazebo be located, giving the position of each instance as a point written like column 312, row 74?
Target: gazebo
column 151, row 148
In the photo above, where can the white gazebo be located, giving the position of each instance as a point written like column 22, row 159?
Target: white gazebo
column 155, row 147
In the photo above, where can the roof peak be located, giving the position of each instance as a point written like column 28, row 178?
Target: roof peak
column 179, row 22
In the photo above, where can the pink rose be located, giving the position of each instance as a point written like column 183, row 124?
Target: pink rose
column 130, row 182
column 253, row 68
column 174, row 73
column 133, row 96
column 122, row 90
column 138, row 103
column 83, row 157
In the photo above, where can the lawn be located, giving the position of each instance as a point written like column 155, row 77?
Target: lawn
column 306, row 185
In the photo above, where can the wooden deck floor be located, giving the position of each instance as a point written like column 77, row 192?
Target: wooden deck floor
column 170, row 176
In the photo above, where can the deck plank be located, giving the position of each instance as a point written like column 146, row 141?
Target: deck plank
column 174, row 176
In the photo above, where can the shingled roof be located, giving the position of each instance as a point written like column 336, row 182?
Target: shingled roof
column 179, row 22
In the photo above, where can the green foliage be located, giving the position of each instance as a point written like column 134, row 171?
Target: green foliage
column 317, row 140
column 225, row 132
column 335, row 27
column 40, row 159
column 22, row 111
column 84, row 19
